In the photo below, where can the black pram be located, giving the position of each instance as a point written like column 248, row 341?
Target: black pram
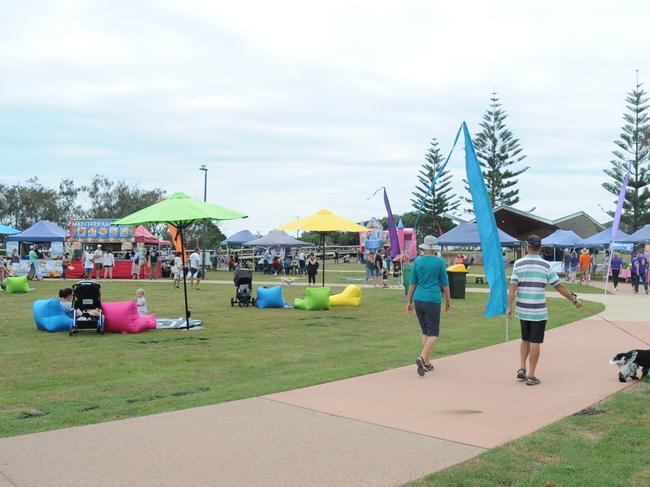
column 87, row 307
column 244, row 288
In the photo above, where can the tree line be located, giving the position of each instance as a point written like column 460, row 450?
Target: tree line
column 23, row 204
column 500, row 157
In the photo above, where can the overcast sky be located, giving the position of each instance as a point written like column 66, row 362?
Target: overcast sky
column 298, row 106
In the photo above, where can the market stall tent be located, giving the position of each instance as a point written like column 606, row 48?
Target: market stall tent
column 239, row 238
column 43, row 231
column 604, row 238
column 641, row 235
column 142, row 235
column 561, row 238
column 467, row 234
column 276, row 238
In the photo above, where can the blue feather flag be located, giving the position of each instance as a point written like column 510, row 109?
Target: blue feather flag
column 487, row 228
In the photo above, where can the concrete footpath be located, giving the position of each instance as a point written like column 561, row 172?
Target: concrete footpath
column 381, row 429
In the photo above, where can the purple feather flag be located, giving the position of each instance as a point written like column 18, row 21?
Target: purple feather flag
column 392, row 230
column 619, row 206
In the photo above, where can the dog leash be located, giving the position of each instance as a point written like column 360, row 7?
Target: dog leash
column 610, row 322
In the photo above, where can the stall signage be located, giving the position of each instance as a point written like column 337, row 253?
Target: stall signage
column 100, row 230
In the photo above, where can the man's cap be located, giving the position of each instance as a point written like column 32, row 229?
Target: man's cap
column 534, row 241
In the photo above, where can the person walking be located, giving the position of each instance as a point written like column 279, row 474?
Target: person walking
column 428, row 281
column 153, row 263
column 98, row 261
column 530, row 275
column 566, row 261
column 109, row 263
column 616, row 265
column 370, row 267
column 195, row 265
column 585, row 264
column 135, row 264
column 379, row 268
column 640, row 266
column 65, row 262
column 312, row 269
column 574, row 266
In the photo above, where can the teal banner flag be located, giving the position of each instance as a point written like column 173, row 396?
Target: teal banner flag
column 487, row 229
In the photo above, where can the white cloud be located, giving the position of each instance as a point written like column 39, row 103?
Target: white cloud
column 296, row 105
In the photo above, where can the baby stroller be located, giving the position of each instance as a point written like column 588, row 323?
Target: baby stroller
column 87, row 307
column 244, row 286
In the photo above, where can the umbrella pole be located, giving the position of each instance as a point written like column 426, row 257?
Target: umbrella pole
column 322, row 236
column 187, row 311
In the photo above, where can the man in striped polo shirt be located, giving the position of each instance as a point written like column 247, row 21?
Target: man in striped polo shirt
column 530, row 275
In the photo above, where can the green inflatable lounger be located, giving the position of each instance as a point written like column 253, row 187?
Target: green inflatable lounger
column 17, row 284
column 316, row 298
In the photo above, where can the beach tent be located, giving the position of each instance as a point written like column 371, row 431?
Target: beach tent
column 239, row 238
column 561, row 238
column 466, row 234
column 603, row 239
column 276, row 238
column 641, row 235
column 43, row 231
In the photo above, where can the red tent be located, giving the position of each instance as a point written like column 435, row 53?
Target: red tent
column 144, row 235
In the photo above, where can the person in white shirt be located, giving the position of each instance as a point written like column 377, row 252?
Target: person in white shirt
column 109, row 263
column 98, row 260
column 195, row 264
column 89, row 263
column 140, row 301
column 177, row 267
column 135, row 264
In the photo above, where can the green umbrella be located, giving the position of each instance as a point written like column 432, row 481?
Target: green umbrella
column 180, row 211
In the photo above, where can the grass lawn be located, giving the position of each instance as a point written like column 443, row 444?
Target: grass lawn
column 606, row 449
column 52, row 381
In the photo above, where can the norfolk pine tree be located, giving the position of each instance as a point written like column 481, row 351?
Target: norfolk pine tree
column 441, row 200
column 633, row 145
column 499, row 154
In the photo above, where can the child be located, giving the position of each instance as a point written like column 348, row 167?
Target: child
column 65, row 295
column 176, row 268
column 140, row 301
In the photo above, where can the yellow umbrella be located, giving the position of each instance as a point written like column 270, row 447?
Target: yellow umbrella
column 322, row 222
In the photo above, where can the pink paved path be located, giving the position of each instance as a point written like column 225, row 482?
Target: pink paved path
column 472, row 398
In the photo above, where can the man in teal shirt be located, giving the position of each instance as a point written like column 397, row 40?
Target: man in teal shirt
column 428, row 281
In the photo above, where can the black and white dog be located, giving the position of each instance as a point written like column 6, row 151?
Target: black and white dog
column 630, row 361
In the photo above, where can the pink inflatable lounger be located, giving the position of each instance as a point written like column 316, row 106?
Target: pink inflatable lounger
column 123, row 317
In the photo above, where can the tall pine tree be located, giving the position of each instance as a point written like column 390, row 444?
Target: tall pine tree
column 499, row 154
column 633, row 146
column 441, row 200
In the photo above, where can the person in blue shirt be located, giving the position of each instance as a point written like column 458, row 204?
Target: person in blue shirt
column 428, row 282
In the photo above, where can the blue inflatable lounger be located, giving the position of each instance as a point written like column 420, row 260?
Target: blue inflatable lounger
column 270, row 297
column 49, row 315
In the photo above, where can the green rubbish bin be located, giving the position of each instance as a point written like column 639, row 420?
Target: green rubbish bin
column 457, row 280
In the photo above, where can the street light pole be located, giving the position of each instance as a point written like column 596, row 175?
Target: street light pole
column 205, row 199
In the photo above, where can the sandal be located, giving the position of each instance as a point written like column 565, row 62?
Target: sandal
column 420, row 363
column 533, row 381
column 521, row 374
